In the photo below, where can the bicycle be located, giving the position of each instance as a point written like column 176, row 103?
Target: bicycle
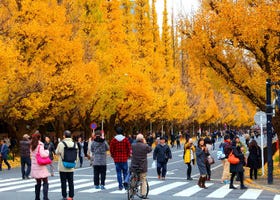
column 135, row 186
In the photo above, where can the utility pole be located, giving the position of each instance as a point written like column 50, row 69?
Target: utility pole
column 269, row 114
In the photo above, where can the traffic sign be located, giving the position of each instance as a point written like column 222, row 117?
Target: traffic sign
column 93, row 126
column 260, row 118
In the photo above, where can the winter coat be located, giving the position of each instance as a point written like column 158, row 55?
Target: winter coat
column 188, row 150
column 50, row 147
column 201, row 160
column 4, row 151
column 39, row 171
column 120, row 148
column 162, row 153
column 99, row 147
column 254, row 158
column 81, row 149
column 60, row 152
column 139, row 156
column 24, row 148
column 239, row 166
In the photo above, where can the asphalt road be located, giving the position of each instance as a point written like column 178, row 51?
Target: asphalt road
column 175, row 186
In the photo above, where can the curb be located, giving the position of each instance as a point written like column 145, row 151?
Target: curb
column 252, row 183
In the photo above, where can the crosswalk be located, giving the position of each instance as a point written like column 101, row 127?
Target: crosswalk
column 173, row 188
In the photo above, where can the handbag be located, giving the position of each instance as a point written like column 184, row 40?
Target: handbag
column 42, row 160
column 210, row 160
column 232, row 159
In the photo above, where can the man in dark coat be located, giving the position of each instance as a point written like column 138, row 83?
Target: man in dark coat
column 162, row 154
column 24, row 147
column 139, row 161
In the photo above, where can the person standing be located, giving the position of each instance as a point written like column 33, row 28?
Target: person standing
column 4, row 154
column 120, row 150
column 89, row 153
column 201, row 157
column 99, row 148
column 226, row 147
column 50, row 146
column 189, row 156
column 81, row 150
column 24, row 151
column 254, row 159
column 139, row 161
column 66, row 174
column 162, row 154
column 237, row 168
column 39, row 172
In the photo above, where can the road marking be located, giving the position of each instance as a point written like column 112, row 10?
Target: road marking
column 10, row 179
column 23, row 185
column 165, row 188
column 251, row 194
column 220, row 192
column 277, row 197
column 53, row 185
column 191, row 191
column 15, row 182
column 93, row 190
column 151, row 183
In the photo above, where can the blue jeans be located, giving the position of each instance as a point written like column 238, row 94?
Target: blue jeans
column 122, row 169
column 25, row 161
column 161, row 168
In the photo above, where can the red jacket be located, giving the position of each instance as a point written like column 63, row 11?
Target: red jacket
column 120, row 148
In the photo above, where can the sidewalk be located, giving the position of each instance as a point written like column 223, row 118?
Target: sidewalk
column 261, row 183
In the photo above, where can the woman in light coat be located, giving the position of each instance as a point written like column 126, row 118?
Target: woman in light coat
column 189, row 157
column 39, row 172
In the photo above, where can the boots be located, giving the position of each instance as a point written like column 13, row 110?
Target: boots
column 37, row 191
column 199, row 181
column 45, row 190
column 203, row 182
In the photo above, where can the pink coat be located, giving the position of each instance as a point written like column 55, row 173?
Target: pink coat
column 39, row 171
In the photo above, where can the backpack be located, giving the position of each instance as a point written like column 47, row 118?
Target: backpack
column 220, row 153
column 70, row 156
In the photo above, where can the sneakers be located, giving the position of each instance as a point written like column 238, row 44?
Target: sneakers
column 97, row 187
column 102, row 187
column 158, row 177
column 189, row 178
column 243, row 187
column 232, row 187
column 226, row 182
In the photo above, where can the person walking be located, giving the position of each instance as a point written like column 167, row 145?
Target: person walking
column 201, row 158
column 120, row 150
column 81, row 146
column 4, row 154
column 139, row 161
column 25, row 160
column 226, row 148
column 99, row 148
column 208, row 151
column 254, row 159
column 189, row 156
column 162, row 154
column 50, row 146
column 39, row 172
column 237, row 168
column 66, row 174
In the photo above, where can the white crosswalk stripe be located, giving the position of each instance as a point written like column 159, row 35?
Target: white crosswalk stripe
column 221, row 192
column 165, row 188
column 173, row 188
column 277, row 197
column 251, row 194
column 191, row 191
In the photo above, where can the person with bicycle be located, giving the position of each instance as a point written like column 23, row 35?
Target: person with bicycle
column 139, row 162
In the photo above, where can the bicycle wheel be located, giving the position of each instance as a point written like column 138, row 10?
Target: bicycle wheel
column 132, row 188
column 139, row 189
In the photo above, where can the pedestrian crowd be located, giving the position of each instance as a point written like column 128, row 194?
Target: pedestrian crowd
column 71, row 153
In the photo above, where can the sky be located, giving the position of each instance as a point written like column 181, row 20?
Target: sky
column 183, row 7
